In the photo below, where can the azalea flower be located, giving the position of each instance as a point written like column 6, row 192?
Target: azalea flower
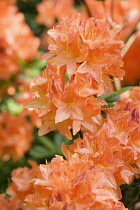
column 7, row 204
column 73, row 184
column 115, row 145
column 124, row 13
column 89, row 43
column 50, row 10
column 82, row 56
column 13, row 47
column 21, row 185
column 60, row 106
column 15, row 136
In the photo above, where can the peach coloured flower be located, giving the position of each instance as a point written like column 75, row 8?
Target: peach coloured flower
column 33, row 115
column 22, row 184
column 116, row 145
column 74, row 184
column 7, row 204
column 8, row 1
column 50, row 10
column 91, row 44
column 21, row 44
column 124, row 13
column 125, row 126
column 15, row 136
column 105, row 151
column 132, row 62
column 60, row 106
column 85, row 51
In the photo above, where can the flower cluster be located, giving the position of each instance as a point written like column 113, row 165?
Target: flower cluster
column 74, row 184
column 15, row 136
column 96, row 165
column 124, row 13
column 14, row 48
column 82, row 57
column 20, row 187
column 116, row 145
column 70, row 94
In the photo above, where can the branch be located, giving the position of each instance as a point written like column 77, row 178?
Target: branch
column 131, row 37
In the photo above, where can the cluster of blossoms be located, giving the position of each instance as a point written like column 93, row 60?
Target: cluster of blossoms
column 13, row 48
column 124, row 13
column 95, row 166
column 17, row 45
column 83, row 57
column 16, row 135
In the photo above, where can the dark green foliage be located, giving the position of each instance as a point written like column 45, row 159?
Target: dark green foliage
column 28, row 8
column 131, row 194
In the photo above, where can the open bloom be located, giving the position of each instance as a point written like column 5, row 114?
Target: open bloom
column 75, row 40
column 74, row 184
column 83, row 55
column 20, row 186
column 116, row 145
column 7, row 204
column 124, row 13
column 60, row 104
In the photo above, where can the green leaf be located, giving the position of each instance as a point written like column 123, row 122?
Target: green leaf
column 40, row 152
column 130, row 196
column 114, row 96
column 109, row 105
column 13, row 107
column 46, row 142
column 114, row 99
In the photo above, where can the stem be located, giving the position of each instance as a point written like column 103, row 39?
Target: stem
column 117, row 83
column 112, row 10
column 131, row 38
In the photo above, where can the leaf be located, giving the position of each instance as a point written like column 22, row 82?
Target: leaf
column 114, row 96
column 130, row 196
column 48, row 143
column 13, row 107
column 40, row 152
column 110, row 105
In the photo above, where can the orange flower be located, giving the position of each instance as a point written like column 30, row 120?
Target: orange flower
column 50, row 10
column 116, row 145
column 22, row 184
column 73, row 184
column 89, row 42
column 105, row 151
column 124, row 13
column 15, row 136
column 59, row 96
column 60, row 106
column 21, row 44
column 7, row 204
column 8, row 1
